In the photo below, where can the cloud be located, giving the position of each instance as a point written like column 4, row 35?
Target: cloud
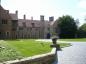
column 83, row 14
column 82, row 4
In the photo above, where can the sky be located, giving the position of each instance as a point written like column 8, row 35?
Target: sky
column 56, row 8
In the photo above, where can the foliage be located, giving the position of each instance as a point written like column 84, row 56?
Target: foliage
column 67, row 26
column 77, row 22
column 54, row 34
column 62, row 45
column 74, row 40
column 7, row 52
column 82, row 31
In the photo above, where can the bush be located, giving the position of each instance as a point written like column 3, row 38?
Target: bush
column 7, row 52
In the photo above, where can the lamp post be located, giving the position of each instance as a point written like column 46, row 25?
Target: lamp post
column 57, row 46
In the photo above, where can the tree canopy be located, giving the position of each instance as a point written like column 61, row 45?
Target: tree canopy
column 67, row 27
column 82, row 31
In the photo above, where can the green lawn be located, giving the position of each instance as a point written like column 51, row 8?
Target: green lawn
column 30, row 47
column 17, row 49
column 76, row 39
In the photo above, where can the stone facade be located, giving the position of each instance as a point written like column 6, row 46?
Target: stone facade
column 24, row 28
column 5, row 24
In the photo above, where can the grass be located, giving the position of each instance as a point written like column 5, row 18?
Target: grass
column 30, row 47
column 62, row 45
column 8, row 52
column 75, row 40
column 17, row 49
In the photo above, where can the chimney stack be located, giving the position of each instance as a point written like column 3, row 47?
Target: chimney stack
column 51, row 18
column 16, row 12
column 41, row 17
column 24, row 16
column 7, row 11
column 31, row 18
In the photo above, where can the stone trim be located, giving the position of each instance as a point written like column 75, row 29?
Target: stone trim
column 37, row 59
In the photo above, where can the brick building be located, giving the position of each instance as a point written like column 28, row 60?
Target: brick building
column 12, row 27
column 8, row 23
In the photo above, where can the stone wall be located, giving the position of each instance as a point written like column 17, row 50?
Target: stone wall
column 47, row 58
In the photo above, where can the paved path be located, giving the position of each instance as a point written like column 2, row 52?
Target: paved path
column 75, row 54
column 50, row 40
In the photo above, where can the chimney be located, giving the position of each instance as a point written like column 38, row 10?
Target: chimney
column 16, row 12
column 24, row 16
column 7, row 11
column 51, row 18
column 41, row 17
column 31, row 18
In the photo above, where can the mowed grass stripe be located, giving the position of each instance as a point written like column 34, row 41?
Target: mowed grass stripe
column 30, row 47
column 74, row 40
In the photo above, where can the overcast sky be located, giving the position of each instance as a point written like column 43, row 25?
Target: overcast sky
column 56, row 8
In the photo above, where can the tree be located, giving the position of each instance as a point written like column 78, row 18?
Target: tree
column 77, row 22
column 82, row 31
column 67, row 27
